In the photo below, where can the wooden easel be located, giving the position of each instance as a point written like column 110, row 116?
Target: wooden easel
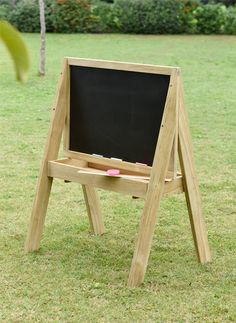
column 150, row 183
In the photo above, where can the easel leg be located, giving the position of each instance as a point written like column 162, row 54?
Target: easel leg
column 155, row 188
column 191, row 187
column 93, row 209
column 145, row 237
column 51, row 152
column 38, row 213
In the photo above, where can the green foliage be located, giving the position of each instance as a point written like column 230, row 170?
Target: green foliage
column 135, row 16
column 107, row 1
column 4, row 11
column 225, row 2
column 188, row 16
column 230, row 24
column 72, row 16
column 168, row 15
column 108, row 17
column 164, row 17
column 150, row 16
column 6, row 2
column 49, row 15
column 210, row 19
column 25, row 17
column 126, row 16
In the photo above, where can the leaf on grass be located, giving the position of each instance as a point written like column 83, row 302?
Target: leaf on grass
column 17, row 49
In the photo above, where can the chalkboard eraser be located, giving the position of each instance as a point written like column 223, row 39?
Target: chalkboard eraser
column 96, row 155
column 113, row 172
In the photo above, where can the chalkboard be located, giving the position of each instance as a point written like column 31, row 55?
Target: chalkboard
column 116, row 113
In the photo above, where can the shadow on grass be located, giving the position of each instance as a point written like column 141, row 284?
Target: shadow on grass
column 106, row 259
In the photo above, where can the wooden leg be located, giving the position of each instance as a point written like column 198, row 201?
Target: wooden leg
column 38, row 213
column 191, row 188
column 173, row 159
column 155, row 189
column 145, row 237
column 93, row 209
column 51, row 152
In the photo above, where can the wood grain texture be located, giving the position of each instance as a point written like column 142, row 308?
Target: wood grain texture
column 174, row 152
column 51, row 152
column 122, row 66
column 155, row 187
column 129, row 186
column 93, row 209
column 119, row 185
column 191, row 185
column 109, row 162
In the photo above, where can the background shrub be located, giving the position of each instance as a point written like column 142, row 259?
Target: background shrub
column 5, row 10
column 168, row 16
column 49, row 15
column 10, row 3
column 230, row 24
column 150, row 16
column 210, row 18
column 127, row 16
column 25, row 16
column 107, row 1
column 225, row 2
column 188, row 18
column 107, row 17
column 72, row 16
column 135, row 16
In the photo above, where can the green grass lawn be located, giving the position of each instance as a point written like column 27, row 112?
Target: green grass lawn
column 77, row 277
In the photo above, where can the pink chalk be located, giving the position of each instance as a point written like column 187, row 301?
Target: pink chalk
column 113, row 172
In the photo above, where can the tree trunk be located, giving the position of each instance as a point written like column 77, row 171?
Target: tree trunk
column 13, row 3
column 43, row 38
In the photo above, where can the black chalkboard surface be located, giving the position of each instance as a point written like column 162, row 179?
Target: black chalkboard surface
column 116, row 113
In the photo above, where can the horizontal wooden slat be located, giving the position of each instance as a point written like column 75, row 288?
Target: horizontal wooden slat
column 110, row 163
column 120, row 185
column 105, row 163
column 66, row 170
column 123, row 66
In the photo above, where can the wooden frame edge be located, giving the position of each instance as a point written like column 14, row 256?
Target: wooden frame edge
column 123, row 66
column 44, row 184
column 116, row 65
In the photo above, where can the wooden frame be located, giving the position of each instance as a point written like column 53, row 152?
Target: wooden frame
column 150, row 183
column 145, row 68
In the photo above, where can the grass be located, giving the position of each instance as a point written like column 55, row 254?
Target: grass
column 76, row 277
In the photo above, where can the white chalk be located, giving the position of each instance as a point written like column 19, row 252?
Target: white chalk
column 141, row 164
column 96, row 155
